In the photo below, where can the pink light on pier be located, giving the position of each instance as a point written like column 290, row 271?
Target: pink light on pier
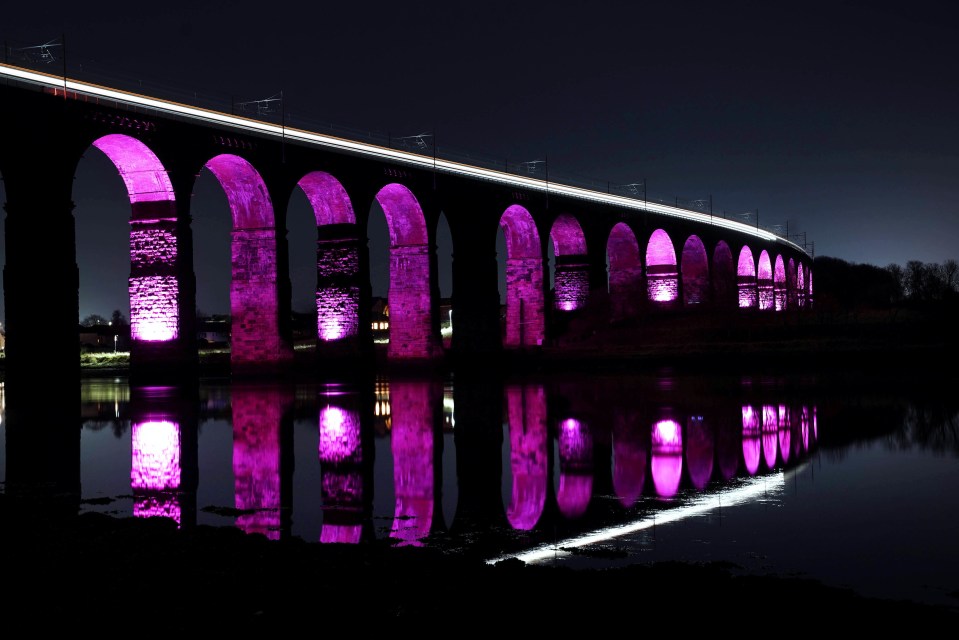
column 571, row 273
column 746, row 279
column 155, row 470
column 575, row 468
column 667, row 457
column 662, row 278
column 751, row 439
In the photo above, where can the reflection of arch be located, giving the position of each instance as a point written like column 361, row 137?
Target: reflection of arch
column 728, row 447
column 779, row 283
column 410, row 293
column 156, row 469
column 764, row 282
column 746, row 279
column 800, row 286
column 575, row 468
column 629, row 457
column 785, row 437
column 526, row 411
column 662, row 280
column 571, row 276
column 525, row 321
column 411, row 437
column 751, row 445
column 254, row 295
column 337, row 257
column 625, row 272
column 153, row 286
column 695, row 272
column 699, row 452
column 724, row 276
column 341, row 455
column 770, row 436
column 667, row 457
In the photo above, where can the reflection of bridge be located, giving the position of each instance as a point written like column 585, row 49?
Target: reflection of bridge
column 658, row 256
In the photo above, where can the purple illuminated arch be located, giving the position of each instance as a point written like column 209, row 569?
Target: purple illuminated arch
column 792, row 299
column 667, row 457
column 625, row 272
column 695, row 272
column 746, row 279
column 571, row 274
column 764, row 282
column 770, row 435
column 800, row 286
column 526, row 411
column 154, row 290
column 779, row 283
column 752, row 431
column 411, row 438
column 662, row 279
column 337, row 258
column 724, row 276
column 804, row 427
column 699, row 452
column 255, row 339
column 525, row 319
column 410, row 293
column 341, row 455
column 575, row 468
column 629, row 457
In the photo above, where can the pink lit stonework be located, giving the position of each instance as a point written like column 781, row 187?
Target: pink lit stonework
column 662, row 278
column 154, row 295
column 625, row 272
column 340, row 455
column 770, row 435
column 764, row 282
column 571, row 273
column 575, row 468
column 155, row 469
column 667, row 457
column 411, row 438
column 779, row 284
column 746, row 279
column 411, row 332
column 526, row 412
column 752, row 431
column 695, row 272
column 525, row 307
column 800, row 286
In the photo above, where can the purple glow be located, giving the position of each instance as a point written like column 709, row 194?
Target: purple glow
column 411, row 332
column 629, row 458
column 699, row 452
column 331, row 204
column 625, row 272
column 571, row 272
column 156, row 456
column 770, row 435
column 662, row 278
column 340, row 455
column 526, row 411
column 764, row 282
column 784, row 433
column 257, row 415
column 576, row 468
column 525, row 307
column 779, row 284
column 667, row 457
column 154, row 314
column 695, row 272
column 724, row 276
column 254, row 296
column 800, row 286
column 809, row 287
column 412, row 443
column 339, row 435
column 746, row 279
column 751, row 444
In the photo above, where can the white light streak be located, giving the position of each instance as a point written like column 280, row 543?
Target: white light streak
column 376, row 151
column 702, row 504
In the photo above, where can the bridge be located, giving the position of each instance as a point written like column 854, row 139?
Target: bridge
column 640, row 255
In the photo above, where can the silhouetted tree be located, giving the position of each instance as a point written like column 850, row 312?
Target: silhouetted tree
column 93, row 319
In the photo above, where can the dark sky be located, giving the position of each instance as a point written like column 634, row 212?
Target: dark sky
column 840, row 118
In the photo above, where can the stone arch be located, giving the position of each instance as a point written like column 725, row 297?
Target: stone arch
column 337, row 258
column 662, row 278
column 625, row 272
column 809, row 295
column 255, row 338
column 792, row 297
column 764, row 282
column 724, row 276
column 694, row 269
column 571, row 279
column 153, row 285
column 779, row 283
column 410, row 292
column 800, row 286
column 746, row 279
column 525, row 313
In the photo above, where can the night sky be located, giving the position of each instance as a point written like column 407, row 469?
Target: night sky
column 840, row 119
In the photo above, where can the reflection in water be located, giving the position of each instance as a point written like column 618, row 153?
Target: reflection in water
column 770, row 437
column 785, row 441
column 575, row 468
column 526, row 413
column 699, row 452
column 751, row 442
column 155, row 470
column 412, row 442
column 341, row 458
column 629, row 456
column 667, row 458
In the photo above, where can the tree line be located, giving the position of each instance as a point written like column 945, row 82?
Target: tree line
column 840, row 284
